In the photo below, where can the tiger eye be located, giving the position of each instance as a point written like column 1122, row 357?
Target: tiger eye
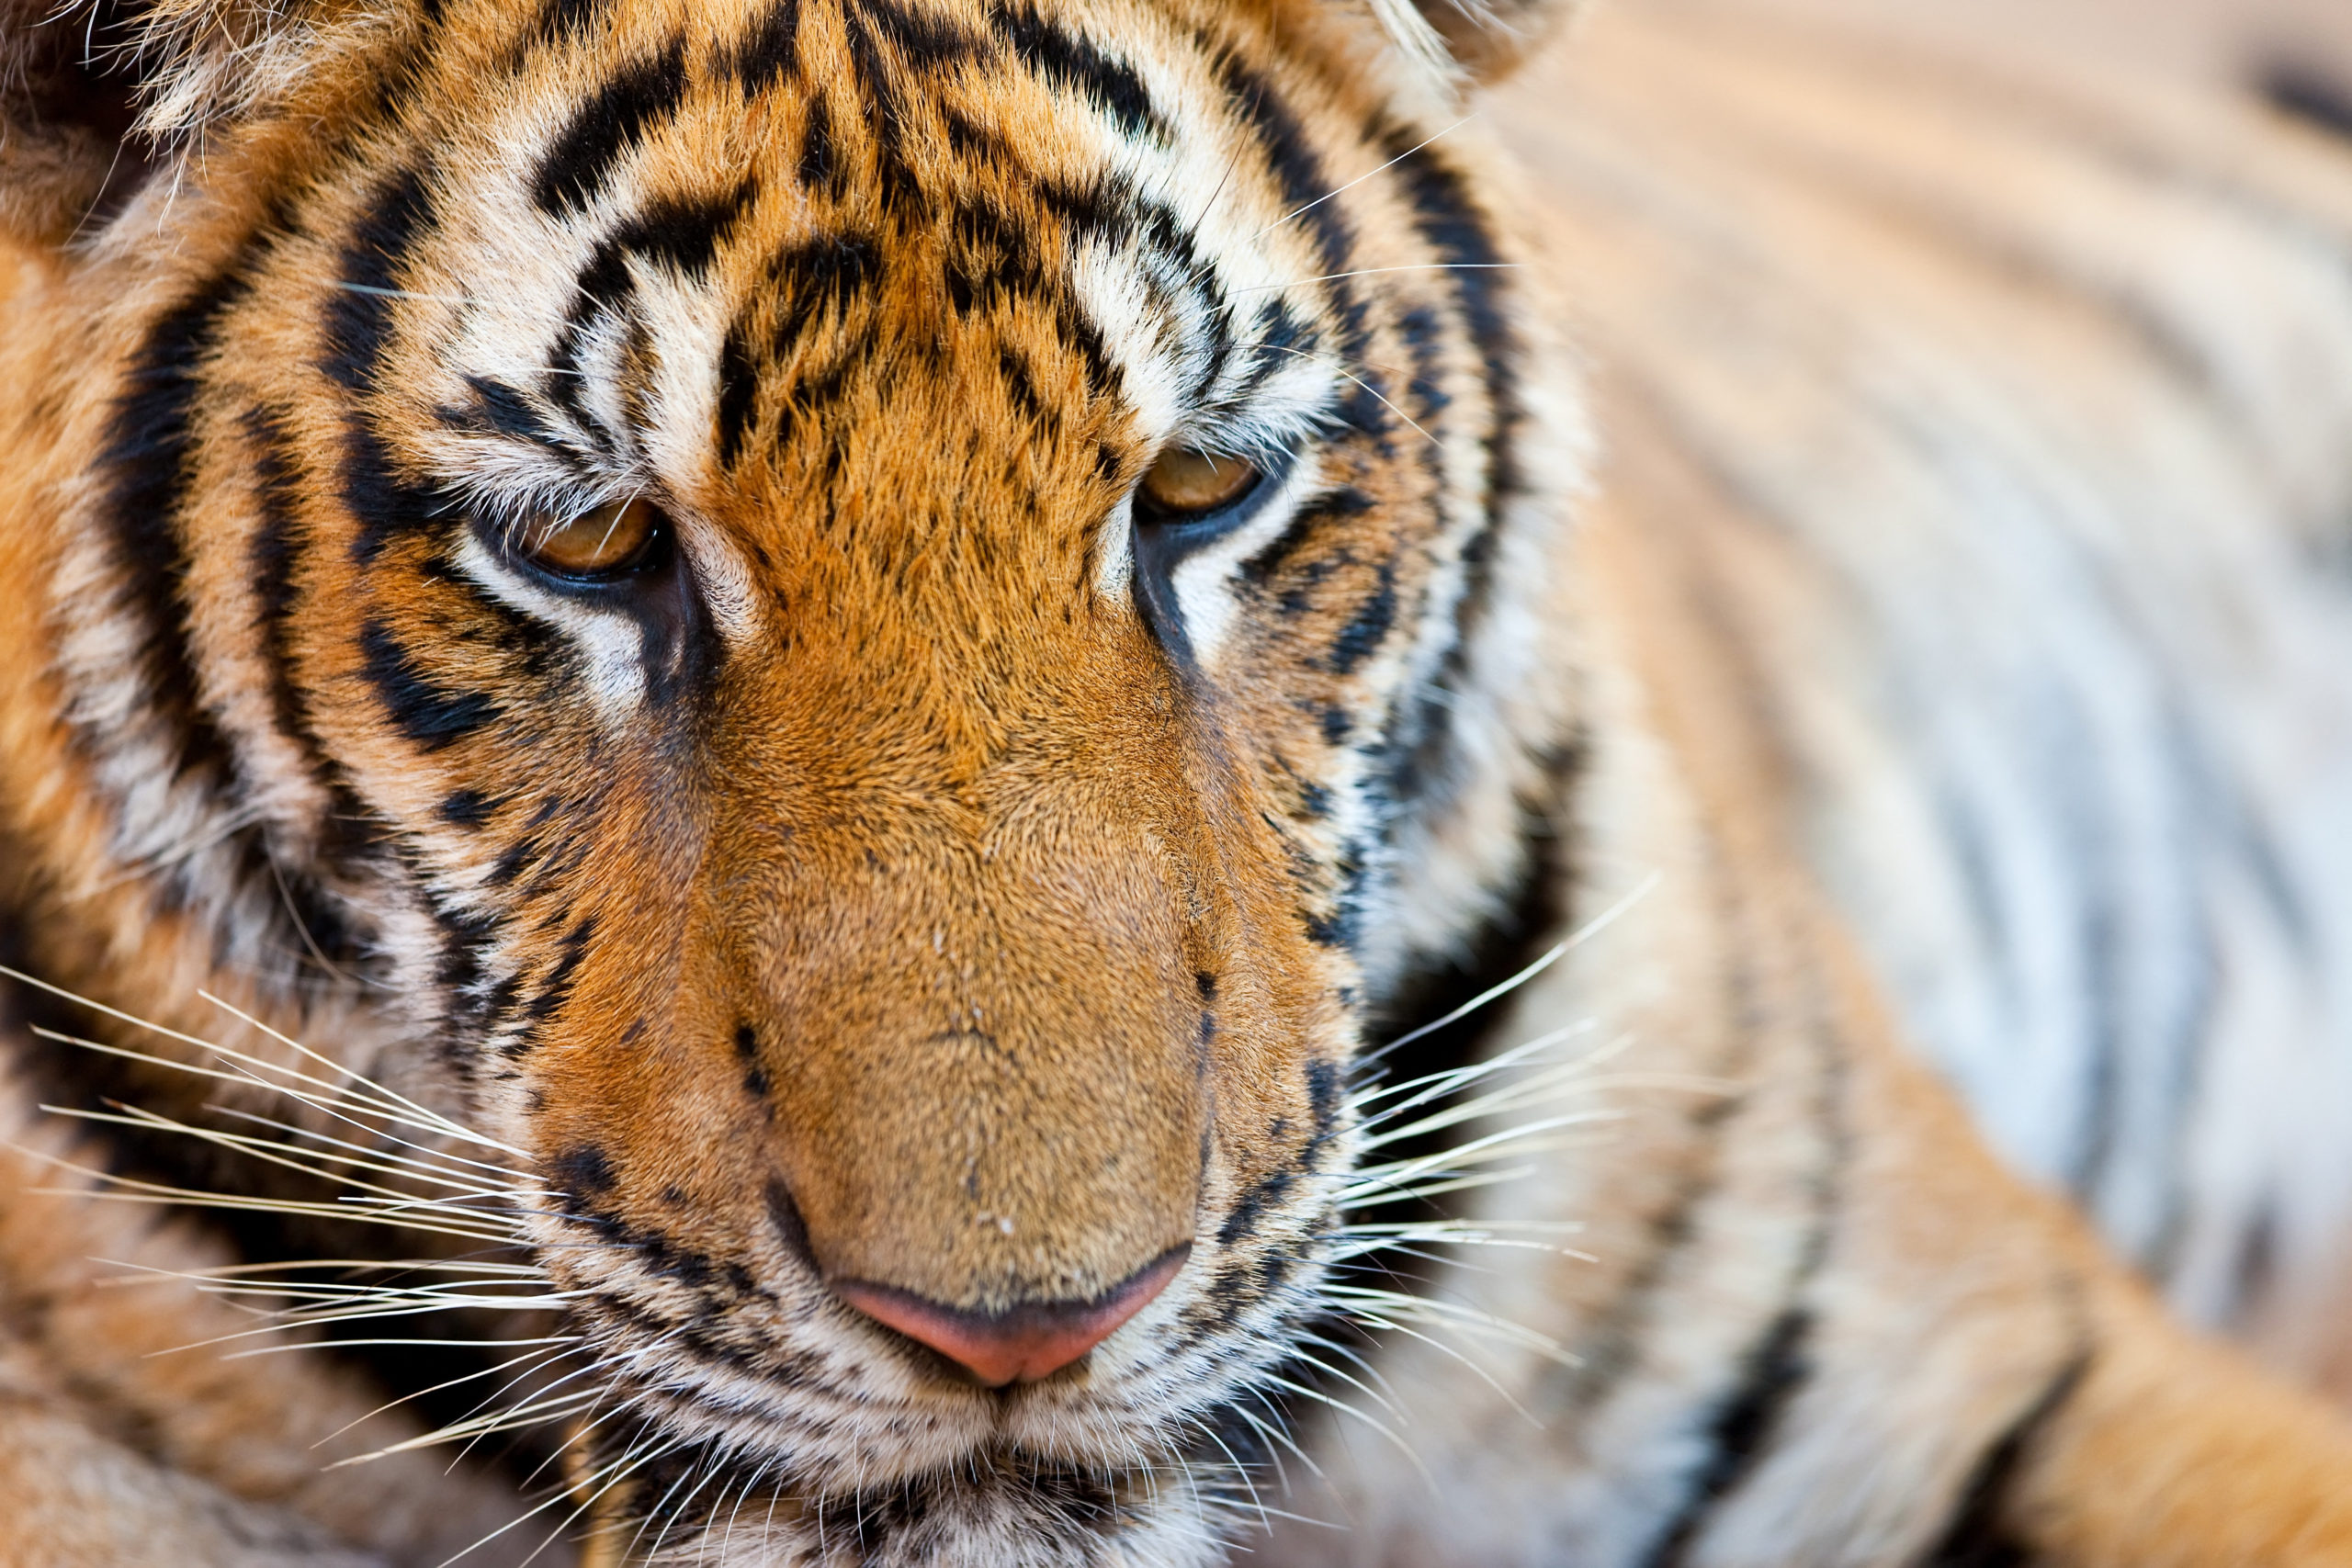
column 1187, row 483
column 599, row 542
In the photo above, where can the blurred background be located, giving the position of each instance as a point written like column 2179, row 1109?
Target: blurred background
column 2221, row 41
column 1988, row 364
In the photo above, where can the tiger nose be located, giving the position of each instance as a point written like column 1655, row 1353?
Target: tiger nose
column 1024, row 1342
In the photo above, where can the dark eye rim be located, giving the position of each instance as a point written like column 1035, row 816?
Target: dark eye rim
column 1161, row 546
column 648, row 560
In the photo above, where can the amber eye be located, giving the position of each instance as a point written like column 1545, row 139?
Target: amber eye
column 601, row 542
column 1186, row 483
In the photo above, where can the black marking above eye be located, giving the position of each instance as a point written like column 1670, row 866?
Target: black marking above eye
column 827, row 275
column 770, row 53
column 1072, row 62
column 606, row 128
column 925, row 41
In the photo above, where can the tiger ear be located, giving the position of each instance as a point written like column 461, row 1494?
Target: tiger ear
column 1481, row 41
column 97, row 97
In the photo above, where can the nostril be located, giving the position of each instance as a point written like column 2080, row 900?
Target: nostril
column 1022, row 1343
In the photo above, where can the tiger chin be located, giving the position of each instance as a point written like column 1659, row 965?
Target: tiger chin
column 844, row 651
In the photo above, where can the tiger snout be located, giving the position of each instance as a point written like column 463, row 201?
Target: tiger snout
column 994, row 1135
column 982, row 1123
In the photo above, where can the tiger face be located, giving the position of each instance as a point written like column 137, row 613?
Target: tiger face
column 872, row 613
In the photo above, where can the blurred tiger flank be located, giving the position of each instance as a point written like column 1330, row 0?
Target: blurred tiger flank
column 1008, row 784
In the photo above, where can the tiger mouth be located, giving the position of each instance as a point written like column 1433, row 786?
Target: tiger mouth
column 1001, row 1507
column 880, row 1409
column 1058, row 1466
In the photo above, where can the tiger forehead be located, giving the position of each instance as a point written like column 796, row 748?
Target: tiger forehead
column 855, row 205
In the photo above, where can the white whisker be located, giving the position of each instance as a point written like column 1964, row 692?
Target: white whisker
column 1342, row 370
column 1376, row 271
column 1352, row 185
column 1568, row 944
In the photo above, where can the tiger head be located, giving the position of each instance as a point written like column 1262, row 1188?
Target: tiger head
column 884, row 623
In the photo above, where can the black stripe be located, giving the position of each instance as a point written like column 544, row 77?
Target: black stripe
column 557, row 990
column 1339, row 929
column 1777, row 1364
column 535, row 650
column 1283, row 551
column 681, row 232
column 582, row 1175
column 466, row 809
column 425, row 712
column 902, row 194
column 357, row 323
column 824, row 275
column 562, row 21
column 148, row 463
column 1022, row 388
column 506, row 411
column 923, row 40
column 1111, row 209
column 606, row 128
column 345, row 835
column 1326, row 1092
column 384, row 501
column 1296, row 169
column 739, row 390
column 1424, row 332
column 684, row 232
column 993, row 257
column 819, row 166
column 1073, row 64
column 1276, row 337
column 357, row 320
column 973, row 143
column 148, row 467
column 1369, row 627
column 1267, row 1192
column 771, row 53
column 468, row 939
column 1307, row 198
column 1451, row 221
column 275, row 544
column 338, row 837
column 1980, row 1534
column 1774, row 1369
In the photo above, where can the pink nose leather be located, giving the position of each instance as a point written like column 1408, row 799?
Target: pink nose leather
column 1022, row 1343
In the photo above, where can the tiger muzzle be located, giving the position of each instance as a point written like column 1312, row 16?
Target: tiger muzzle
column 993, row 1127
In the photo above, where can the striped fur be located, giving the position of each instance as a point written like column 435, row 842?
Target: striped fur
column 924, row 872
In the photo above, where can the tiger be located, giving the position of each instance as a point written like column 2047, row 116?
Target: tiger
column 1080, row 781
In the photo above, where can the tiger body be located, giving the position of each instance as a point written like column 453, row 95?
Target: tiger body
column 922, row 889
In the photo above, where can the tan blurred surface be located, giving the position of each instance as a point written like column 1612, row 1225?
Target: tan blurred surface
column 2215, row 40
